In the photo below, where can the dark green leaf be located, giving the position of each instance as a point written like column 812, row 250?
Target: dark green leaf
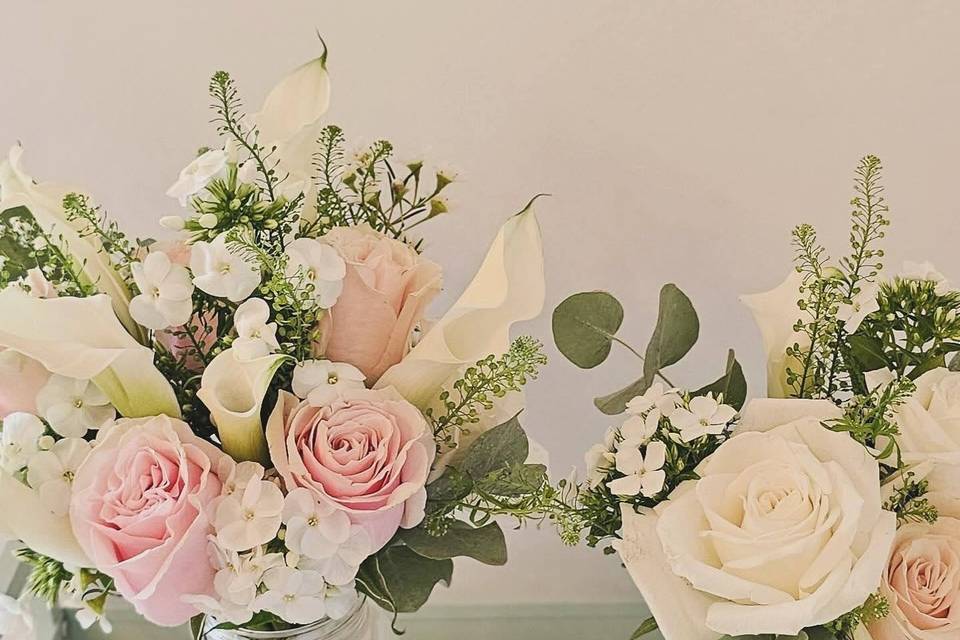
column 868, row 352
column 401, row 580
column 518, row 480
column 196, row 626
column 676, row 332
column 733, row 385
column 452, row 486
column 485, row 544
column 501, row 447
column 616, row 402
column 929, row 364
column 955, row 363
column 648, row 626
column 583, row 326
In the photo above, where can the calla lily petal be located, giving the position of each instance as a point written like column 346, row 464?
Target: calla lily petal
column 509, row 287
column 45, row 203
column 299, row 100
column 26, row 518
column 92, row 345
column 233, row 390
column 776, row 312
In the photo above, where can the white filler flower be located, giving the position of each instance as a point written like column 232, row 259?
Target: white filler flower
column 322, row 380
column 249, row 518
column 72, row 406
column 256, row 336
column 195, row 177
column 16, row 622
column 165, row 292
column 295, row 595
column 644, row 473
column 705, row 416
column 222, row 272
column 18, row 440
column 51, row 472
column 318, row 264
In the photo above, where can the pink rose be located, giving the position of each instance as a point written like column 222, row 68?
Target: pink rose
column 21, row 378
column 366, row 452
column 386, row 290
column 141, row 511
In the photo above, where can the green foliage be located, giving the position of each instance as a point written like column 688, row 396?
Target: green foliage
column 675, row 334
column 584, row 326
column 908, row 500
column 369, row 188
column 485, row 544
column 875, row 608
column 47, row 576
column 481, row 385
column 648, row 626
column 870, row 419
column 91, row 222
column 731, row 386
column 401, row 580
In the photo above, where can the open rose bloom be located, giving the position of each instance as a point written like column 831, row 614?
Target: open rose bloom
column 242, row 422
column 825, row 508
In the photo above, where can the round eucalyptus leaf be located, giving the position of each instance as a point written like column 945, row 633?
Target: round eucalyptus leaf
column 584, row 325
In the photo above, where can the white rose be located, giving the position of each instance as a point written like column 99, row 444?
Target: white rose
column 783, row 530
column 922, row 580
column 930, row 420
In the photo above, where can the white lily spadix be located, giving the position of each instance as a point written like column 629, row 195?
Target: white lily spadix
column 233, row 390
column 509, row 287
column 45, row 203
column 82, row 338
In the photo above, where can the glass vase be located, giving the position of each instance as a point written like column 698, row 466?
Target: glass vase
column 359, row 624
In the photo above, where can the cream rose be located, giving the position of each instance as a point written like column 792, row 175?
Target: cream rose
column 930, row 420
column 922, row 579
column 783, row 530
column 386, row 290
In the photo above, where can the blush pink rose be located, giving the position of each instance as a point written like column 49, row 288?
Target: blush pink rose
column 366, row 452
column 21, row 378
column 141, row 511
column 386, row 291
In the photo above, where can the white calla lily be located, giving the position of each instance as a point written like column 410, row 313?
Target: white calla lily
column 82, row 338
column 297, row 101
column 45, row 203
column 776, row 312
column 33, row 523
column 233, row 390
column 509, row 287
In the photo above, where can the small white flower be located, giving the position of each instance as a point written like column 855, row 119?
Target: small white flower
column 297, row 596
column 72, row 406
column 195, row 177
column 19, row 440
column 51, row 472
column 37, row 285
column 318, row 264
column 236, row 582
column 340, row 600
column 165, row 292
column 174, row 223
column 641, row 428
column 322, row 533
column 925, row 271
column 599, row 461
column 862, row 305
column 657, row 396
column 250, row 517
column 643, row 473
column 322, row 380
column 238, row 475
column 16, row 621
column 704, row 416
column 256, row 337
column 87, row 617
column 222, row 272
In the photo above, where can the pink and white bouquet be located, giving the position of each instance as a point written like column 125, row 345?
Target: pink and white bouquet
column 253, row 421
column 828, row 510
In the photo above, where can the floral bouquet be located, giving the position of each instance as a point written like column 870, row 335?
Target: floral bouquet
column 829, row 510
column 252, row 426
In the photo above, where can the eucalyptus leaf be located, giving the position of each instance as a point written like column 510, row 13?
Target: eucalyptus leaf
column 867, row 351
column 401, row 580
column 648, row 626
column 511, row 482
column 502, row 447
column 732, row 385
column 676, row 332
column 485, row 544
column 616, row 402
column 584, row 325
column 196, row 626
column 931, row 363
column 452, row 486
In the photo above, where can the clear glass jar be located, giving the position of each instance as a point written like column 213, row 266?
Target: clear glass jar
column 359, row 624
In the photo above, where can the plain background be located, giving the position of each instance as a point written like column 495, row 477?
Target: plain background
column 680, row 142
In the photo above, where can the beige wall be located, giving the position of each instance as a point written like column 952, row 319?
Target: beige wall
column 680, row 141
